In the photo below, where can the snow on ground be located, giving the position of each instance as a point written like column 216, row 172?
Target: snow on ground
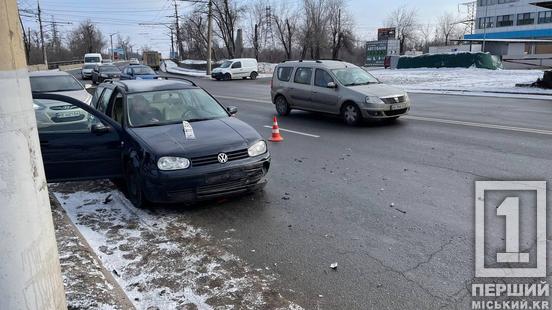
column 265, row 69
column 171, row 67
column 162, row 262
column 461, row 79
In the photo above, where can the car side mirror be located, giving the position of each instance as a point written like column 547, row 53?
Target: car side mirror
column 332, row 85
column 232, row 110
column 99, row 128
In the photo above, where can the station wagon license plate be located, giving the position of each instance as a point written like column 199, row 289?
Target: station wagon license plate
column 67, row 114
column 398, row 106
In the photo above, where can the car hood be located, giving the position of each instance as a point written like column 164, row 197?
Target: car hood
column 211, row 137
column 379, row 90
column 147, row 76
column 218, row 70
column 81, row 95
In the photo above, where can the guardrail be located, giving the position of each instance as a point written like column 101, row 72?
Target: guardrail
column 57, row 64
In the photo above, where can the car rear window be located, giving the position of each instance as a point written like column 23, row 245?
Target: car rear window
column 284, row 73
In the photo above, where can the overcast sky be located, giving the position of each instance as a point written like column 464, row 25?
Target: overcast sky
column 123, row 16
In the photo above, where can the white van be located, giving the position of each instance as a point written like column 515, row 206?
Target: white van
column 237, row 68
column 93, row 58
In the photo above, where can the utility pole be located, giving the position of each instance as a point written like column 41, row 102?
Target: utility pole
column 30, row 273
column 172, row 43
column 111, row 39
column 44, row 56
column 178, row 42
column 209, row 36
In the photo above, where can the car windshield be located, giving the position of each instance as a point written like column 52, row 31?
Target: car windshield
column 54, row 83
column 143, row 70
column 354, row 76
column 171, row 107
column 92, row 59
column 109, row 69
column 226, row 64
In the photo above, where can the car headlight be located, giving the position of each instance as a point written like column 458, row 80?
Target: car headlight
column 172, row 163
column 406, row 97
column 36, row 106
column 374, row 100
column 103, row 75
column 257, row 149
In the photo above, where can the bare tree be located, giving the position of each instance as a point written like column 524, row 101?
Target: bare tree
column 286, row 20
column 340, row 25
column 315, row 29
column 258, row 24
column 226, row 16
column 447, row 26
column 405, row 21
column 86, row 38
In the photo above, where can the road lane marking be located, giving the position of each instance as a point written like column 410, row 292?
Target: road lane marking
column 431, row 119
column 480, row 125
column 244, row 99
column 295, row 132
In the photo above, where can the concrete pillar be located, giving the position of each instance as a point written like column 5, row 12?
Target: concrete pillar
column 30, row 274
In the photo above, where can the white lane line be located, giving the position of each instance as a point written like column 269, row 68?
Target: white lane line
column 295, row 132
column 244, row 99
column 480, row 125
column 428, row 119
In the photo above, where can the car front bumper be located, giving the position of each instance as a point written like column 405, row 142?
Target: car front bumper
column 385, row 110
column 207, row 182
column 217, row 75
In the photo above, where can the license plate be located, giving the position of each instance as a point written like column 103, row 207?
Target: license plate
column 398, row 106
column 67, row 114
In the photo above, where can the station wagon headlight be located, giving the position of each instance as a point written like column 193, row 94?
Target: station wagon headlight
column 257, row 149
column 374, row 100
column 173, row 163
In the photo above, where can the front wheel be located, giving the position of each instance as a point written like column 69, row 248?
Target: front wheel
column 282, row 106
column 351, row 114
column 254, row 75
column 227, row 77
column 134, row 188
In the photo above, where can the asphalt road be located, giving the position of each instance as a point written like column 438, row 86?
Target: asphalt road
column 392, row 204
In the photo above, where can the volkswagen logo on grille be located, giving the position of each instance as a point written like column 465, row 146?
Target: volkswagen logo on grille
column 222, row 158
column 397, row 99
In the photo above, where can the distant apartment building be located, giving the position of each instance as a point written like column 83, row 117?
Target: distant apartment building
column 523, row 22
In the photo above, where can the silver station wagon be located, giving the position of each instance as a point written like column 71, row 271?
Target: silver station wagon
column 335, row 87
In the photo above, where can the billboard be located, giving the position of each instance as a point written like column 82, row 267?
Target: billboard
column 375, row 53
column 385, row 34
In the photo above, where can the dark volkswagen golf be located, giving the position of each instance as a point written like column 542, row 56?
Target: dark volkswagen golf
column 170, row 140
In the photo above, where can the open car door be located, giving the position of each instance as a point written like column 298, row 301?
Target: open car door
column 78, row 142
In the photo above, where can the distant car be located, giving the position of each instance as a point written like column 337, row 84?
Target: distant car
column 138, row 72
column 51, row 113
column 86, row 70
column 134, row 61
column 335, row 87
column 170, row 140
column 237, row 69
column 100, row 73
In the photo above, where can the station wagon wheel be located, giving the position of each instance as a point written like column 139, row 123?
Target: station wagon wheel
column 227, row 77
column 134, row 188
column 282, row 106
column 254, row 75
column 351, row 114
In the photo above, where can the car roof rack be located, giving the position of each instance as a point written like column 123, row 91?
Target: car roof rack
column 178, row 78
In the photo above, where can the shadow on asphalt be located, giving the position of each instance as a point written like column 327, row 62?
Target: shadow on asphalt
column 335, row 120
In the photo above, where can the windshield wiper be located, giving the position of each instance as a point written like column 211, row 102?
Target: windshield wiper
column 199, row 119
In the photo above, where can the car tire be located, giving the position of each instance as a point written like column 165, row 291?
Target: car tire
column 254, row 75
column 282, row 106
column 227, row 77
column 351, row 114
column 134, row 188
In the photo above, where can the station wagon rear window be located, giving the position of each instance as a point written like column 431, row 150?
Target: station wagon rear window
column 284, row 73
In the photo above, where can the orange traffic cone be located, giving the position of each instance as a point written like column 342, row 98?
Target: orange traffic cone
column 276, row 137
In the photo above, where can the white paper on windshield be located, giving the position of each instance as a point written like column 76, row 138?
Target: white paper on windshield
column 188, row 130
